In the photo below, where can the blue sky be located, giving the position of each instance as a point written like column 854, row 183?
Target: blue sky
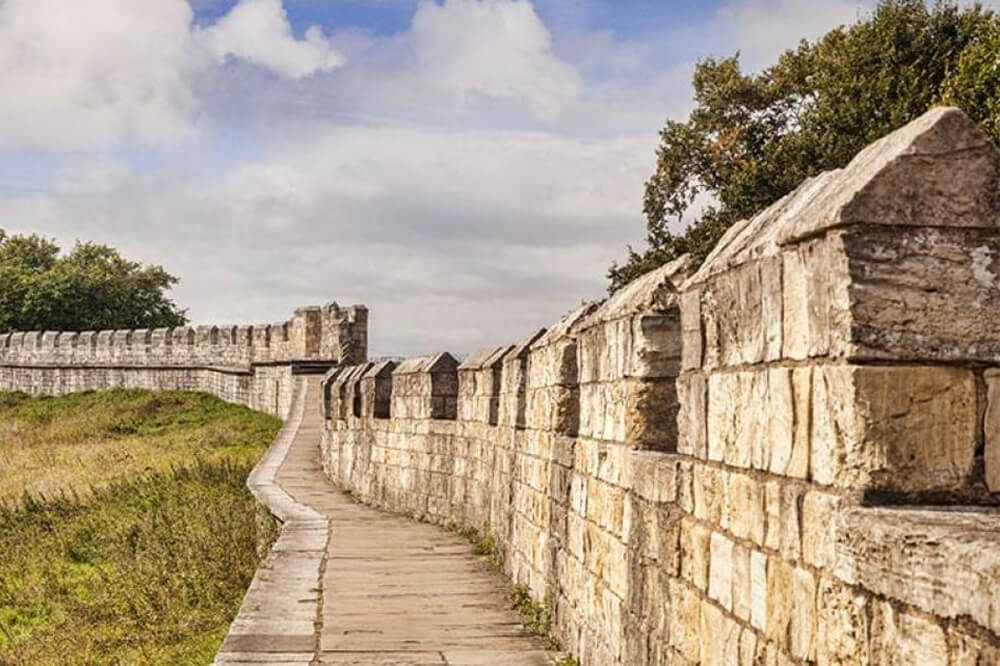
column 467, row 168
column 633, row 18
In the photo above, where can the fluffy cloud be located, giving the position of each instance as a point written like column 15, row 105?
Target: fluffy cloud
column 494, row 50
column 258, row 31
column 91, row 72
column 763, row 29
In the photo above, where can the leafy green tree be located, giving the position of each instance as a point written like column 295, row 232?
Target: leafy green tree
column 752, row 138
column 91, row 288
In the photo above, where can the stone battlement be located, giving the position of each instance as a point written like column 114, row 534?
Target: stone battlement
column 246, row 364
column 790, row 455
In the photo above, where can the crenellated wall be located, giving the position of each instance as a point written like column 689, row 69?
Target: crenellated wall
column 788, row 455
column 250, row 365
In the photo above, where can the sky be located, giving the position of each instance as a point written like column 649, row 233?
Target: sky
column 468, row 169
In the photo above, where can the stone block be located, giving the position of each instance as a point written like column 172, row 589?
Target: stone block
column 944, row 562
column 695, row 548
column 651, row 412
column 720, row 638
column 692, row 427
column 709, row 494
column 685, row 621
column 741, row 582
column 654, row 476
column 802, row 630
column 772, row 509
column 748, row 648
column 720, row 573
column 780, row 600
column 949, row 276
column 904, row 429
column 691, row 330
column 758, row 590
column 991, row 430
column 843, row 623
column 791, row 525
column 819, row 528
column 744, row 512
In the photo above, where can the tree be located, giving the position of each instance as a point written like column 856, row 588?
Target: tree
column 91, row 288
column 752, row 138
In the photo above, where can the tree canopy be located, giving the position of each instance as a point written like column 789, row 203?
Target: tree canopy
column 91, row 288
column 754, row 137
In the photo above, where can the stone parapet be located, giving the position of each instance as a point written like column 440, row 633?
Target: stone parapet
column 788, row 456
column 252, row 365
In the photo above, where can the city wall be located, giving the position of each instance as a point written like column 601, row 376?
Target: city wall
column 789, row 454
column 249, row 365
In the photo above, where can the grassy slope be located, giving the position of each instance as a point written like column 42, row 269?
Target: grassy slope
column 128, row 537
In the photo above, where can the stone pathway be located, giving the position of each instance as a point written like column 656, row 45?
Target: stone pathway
column 350, row 585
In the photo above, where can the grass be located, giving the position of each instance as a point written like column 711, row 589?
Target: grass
column 126, row 532
column 537, row 617
column 86, row 440
column 484, row 545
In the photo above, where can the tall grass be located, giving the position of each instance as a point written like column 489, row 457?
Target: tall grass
column 143, row 564
column 50, row 446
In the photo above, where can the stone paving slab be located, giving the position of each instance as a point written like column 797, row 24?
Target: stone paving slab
column 348, row 585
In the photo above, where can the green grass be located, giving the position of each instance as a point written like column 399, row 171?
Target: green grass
column 74, row 443
column 144, row 562
column 536, row 616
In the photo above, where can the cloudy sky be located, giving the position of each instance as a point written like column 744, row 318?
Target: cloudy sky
column 466, row 168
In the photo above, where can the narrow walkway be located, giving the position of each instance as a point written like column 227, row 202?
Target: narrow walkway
column 350, row 585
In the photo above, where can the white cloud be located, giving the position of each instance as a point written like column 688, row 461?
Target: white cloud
column 258, row 31
column 492, row 49
column 91, row 72
column 763, row 29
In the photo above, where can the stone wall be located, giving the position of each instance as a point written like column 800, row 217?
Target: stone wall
column 250, row 365
column 788, row 455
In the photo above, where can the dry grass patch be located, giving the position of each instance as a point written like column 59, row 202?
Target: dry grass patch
column 75, row 443
column 135, row 544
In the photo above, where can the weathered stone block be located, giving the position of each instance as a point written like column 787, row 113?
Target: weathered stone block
column 692, row 426
column 819, row 528
column 744, row 508
column 691, row 330
column 907, row 428
column 802, row 630
column 944, row 562
column 720, row 575
column 948, row 276
column 780, row 600
column 758, row 590
column 741, row 582
column 843, row 622
column 991, row 430
column 720, row 637
column 695, row 549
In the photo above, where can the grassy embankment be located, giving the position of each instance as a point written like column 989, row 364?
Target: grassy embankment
column 127, row 535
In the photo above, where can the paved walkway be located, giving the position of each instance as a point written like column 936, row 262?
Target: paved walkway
column 350, row 585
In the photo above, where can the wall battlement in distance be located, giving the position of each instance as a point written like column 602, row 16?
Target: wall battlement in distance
column 250, row 365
